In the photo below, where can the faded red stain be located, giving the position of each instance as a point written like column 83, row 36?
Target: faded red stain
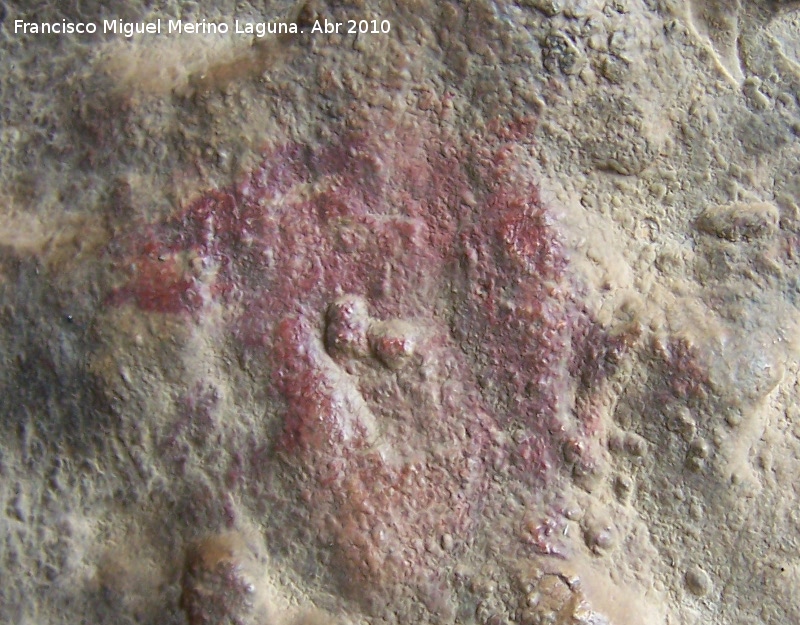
column 395, row 441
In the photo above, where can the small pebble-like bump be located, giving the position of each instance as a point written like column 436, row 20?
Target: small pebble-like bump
column 556, row 599
column 683, row 424
column 599, row 535
column 346, row 328
column 695, row 464
column 635, row 445
column 616, row 442
column 446, row 542
column 573, row 512
column 740, row 221
column 217, row 583
column 699, row 448
column 587, row 474
column 733, row 418
column 573, row 450
column 658, row 190
column 623, row 487
column 551, row 8
column 697, row 581
column 393, row 342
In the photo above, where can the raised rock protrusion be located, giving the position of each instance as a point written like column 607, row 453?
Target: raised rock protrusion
column 219, row 582
column 740, row 221
column 347, row 322
column 393, row 342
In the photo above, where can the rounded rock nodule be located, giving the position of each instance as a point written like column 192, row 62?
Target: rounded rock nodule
column 697, row 581
column 347, row 323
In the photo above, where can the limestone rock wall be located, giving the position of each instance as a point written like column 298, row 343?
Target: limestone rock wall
column 488, row 319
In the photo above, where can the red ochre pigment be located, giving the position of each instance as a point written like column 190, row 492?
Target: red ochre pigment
column 460, row 350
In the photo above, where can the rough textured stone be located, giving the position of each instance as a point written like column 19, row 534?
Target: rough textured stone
column 487, row 319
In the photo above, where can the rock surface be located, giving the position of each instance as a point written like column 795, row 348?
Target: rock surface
column 489, row 319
